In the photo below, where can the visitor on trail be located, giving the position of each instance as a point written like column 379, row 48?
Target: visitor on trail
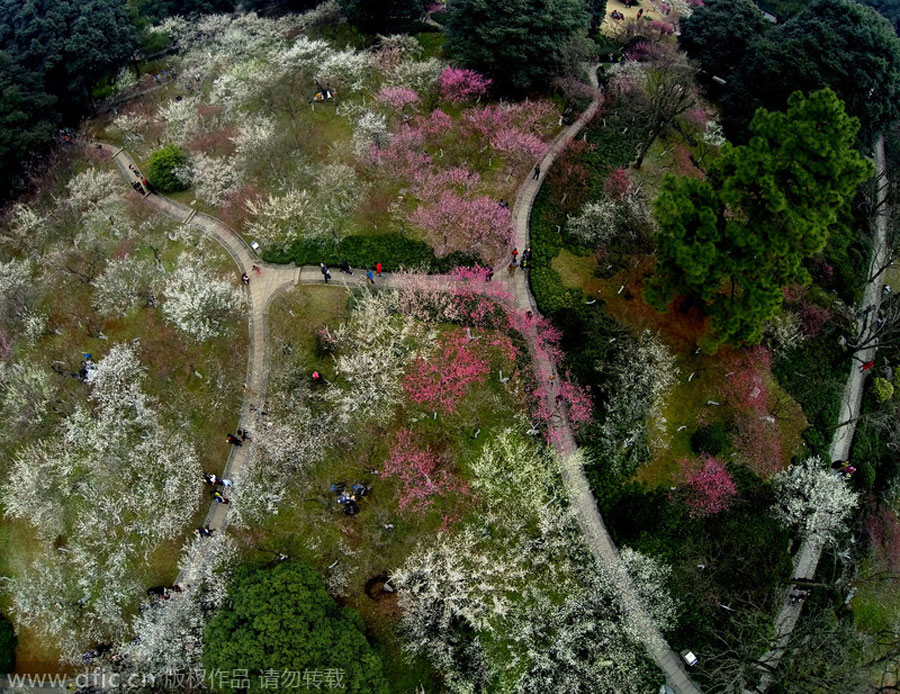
column 511, row 269
column 490, row 274
column 160, row 592
column 245, row 278
column 220, row 499
column 137, row 174
column 865, row 366
column 244, row 434
column 204, row 531
column 378, row 269
column 515, row 254
column 537, row 172
column 345, row 267
column 640, row 13
column 210, row 478
column 370, row 276
column 326, row 273
column 318, row 378
column 233, row 440
column 257, row 269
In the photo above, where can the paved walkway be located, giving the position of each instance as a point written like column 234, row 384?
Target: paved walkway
column 582, row 499
column 807, row 559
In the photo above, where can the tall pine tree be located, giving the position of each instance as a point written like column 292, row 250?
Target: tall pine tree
column 736, row 239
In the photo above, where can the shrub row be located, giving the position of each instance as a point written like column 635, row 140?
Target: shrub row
column 393, row 251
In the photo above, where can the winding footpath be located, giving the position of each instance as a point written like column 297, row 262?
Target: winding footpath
column 276, row 278
column 596, row 536
column 807, row 558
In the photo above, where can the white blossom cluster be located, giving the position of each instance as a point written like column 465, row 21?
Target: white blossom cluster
column 813, row 500
column 199, row 303
column 126, row 283
column 112, row 481
column 279, row 219
column 169, row 635
column 372, row 347
column 640, row 373
column 513, row 602
column 625, row 223
column 130, row 127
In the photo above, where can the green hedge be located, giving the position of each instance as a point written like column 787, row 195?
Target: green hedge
column 393, row 251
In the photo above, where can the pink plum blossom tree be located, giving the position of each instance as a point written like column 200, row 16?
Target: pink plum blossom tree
column 421, row 472
column 708, row 488
column 458, row 85
column 441, row 382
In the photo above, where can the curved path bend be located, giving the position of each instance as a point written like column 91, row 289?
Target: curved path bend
column 275, row 278
column 596, row 535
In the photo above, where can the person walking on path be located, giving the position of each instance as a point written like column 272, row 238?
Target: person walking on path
column 345, row 267
column 326, row 273
column 512, row 269
column 233, row 440
column 526, row 258
column 865, row 366
column 205, row 531
column 370, row 277
column 490, row 274
column 220, row 498
column 537, row 173
column 378, row 269
column 245, row 278
column 640, row 13
column 515, row 254
column 257, row 269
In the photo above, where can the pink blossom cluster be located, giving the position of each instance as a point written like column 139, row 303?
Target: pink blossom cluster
column 813, row 318
column 458, row 85
column 618, row 184
column 456, row 223
column 397, row 97
column 420, row 470
column 442, row 382
column 708, row 488
column 745, row 386
column 548, row 400
column 746, row 390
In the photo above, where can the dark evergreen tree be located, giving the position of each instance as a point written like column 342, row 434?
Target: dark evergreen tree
column 734, row 240
column 383, row 16
column 281, row 618
column 517, row 43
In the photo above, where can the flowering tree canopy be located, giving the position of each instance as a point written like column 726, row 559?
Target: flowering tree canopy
column 813, row 500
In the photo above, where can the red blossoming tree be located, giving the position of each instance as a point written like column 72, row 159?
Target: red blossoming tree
column 420, row 470
column 440, row 383
column 708, row 488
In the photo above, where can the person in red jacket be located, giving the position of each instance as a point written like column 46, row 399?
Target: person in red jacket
column 378, row 269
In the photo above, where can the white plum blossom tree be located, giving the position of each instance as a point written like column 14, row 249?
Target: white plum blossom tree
column 125, row 284
column 813, row 500
column 371, row 348
column 513, row 602
column 199, row 303
column 279, row 220
column 101, row 492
